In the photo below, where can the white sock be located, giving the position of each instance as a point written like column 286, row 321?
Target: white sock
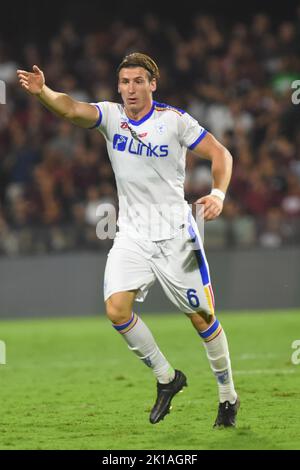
column 215, row 343
column 140, row 340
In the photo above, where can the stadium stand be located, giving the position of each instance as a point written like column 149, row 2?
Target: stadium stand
column 237, row 81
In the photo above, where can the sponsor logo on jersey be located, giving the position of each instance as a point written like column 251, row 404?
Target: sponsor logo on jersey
column 124, row 125
column 120, row 142
column 123, row 143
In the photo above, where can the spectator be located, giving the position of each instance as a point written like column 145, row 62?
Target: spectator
column 235, row 79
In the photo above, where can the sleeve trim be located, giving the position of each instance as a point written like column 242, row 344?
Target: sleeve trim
column 201, row 136
column 99, row 120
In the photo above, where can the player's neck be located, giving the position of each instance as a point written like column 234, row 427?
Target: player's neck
column 139, row 114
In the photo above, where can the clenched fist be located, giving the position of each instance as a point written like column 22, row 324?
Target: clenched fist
column 212, row 206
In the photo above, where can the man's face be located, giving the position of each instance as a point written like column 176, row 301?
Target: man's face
column 135, row 88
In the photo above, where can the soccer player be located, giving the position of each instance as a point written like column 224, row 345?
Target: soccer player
column 157, row 235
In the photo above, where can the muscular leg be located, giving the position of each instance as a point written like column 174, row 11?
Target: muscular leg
column 216, row 346
column 119, row 306
column 201, row 320
column 137, row 334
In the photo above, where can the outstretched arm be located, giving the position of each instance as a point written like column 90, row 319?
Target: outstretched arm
column 221, row 168
column 77, row 112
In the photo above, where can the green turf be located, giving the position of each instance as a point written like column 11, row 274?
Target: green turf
column 73, row 384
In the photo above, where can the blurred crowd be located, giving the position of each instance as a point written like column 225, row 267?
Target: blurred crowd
column 235, row 80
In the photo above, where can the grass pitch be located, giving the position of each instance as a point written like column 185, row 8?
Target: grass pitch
column 73, row 384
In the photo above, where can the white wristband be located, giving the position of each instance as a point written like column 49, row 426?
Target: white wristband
column 218, row 193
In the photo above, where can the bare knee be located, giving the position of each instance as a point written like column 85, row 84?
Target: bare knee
column 201, row 320
column 119, row 308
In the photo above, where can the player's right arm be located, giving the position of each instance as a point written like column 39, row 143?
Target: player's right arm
column 79, row 113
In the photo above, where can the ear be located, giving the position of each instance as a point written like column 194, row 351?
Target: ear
column 153, row 85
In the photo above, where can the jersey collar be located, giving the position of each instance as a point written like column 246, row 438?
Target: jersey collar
column 143, row 119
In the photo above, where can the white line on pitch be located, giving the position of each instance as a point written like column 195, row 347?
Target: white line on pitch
column 249, row 356
column 263, row 371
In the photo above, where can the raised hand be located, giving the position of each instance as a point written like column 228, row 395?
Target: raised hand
column 32, row 82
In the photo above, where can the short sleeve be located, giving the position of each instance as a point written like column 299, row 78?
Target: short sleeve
column 190, row 131
column 103, row 110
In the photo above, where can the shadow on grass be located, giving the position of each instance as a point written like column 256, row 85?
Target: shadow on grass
column 241, row 438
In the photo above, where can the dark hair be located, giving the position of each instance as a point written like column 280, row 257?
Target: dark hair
column 136, row 59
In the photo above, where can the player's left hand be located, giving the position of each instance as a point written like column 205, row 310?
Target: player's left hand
column 212, row 207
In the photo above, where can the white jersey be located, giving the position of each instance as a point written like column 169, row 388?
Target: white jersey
column 148, row 160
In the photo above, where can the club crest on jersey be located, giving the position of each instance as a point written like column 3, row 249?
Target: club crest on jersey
column 160, row 127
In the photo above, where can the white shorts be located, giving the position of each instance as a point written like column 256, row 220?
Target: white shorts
column 179, row 264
